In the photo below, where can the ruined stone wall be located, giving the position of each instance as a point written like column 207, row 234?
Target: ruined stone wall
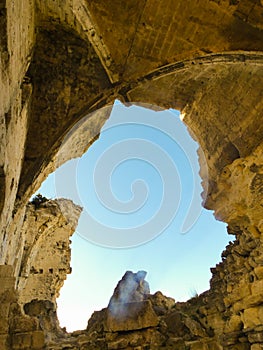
column 17, row 330
column 62, row 61
column 17, row 40
column 46, row 254
column 44, row 262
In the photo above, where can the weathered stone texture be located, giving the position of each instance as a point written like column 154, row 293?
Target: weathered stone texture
column 129, row 308
column 17, row 40
column 45, row 260
column 130, row 316
column 62, row 61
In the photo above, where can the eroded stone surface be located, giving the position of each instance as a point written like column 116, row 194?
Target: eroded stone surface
column 63, row 60
column 45, row 260
column 130, row 316
column 129, row 308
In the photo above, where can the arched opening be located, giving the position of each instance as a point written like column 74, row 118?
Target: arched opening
column 143, row 160
column 75, row 57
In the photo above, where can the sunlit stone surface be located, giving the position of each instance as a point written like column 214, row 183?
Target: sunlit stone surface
column 60, row 61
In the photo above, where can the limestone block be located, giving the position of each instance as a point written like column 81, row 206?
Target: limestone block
column 4, row 311
column 118, row 344
column 259, row 272
column 38, row 340
column 253, row 317
column 174, row 324
column 7, row 278
column 241, row 346
column 240, row 291
column 214, row 345
column 21, row 341
column 3, row 340
column 136, row 340
column 6, row 271
column 130, row 316
column 23, row 324
column 194, row 327
column 257, row 347
column 175, row 343
column 257, row 288
column 82, row 339
column 4, row 326
column 198, row 346
column 216, row 321
column 248, row 302
column 161, row 303
column 131, row 288
column 7, row 283
column 256, row 337
column 234, row 324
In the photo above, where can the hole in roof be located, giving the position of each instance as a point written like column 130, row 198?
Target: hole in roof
column 141, row 193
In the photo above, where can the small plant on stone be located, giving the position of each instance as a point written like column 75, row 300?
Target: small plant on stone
column 38, row 200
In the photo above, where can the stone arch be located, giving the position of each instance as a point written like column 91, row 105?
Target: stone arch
column 203, row 58
column 197, row 88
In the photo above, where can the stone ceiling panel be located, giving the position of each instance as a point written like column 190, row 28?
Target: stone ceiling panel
column 117, row 22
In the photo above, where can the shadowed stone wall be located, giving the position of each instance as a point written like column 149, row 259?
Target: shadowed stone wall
column 63, row 60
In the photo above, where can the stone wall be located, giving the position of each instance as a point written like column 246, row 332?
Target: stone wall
column 62, row 61
column 45, row 260
column 42, row 263
column 17, row 34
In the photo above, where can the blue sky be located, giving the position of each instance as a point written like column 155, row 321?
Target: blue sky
column 140, row 190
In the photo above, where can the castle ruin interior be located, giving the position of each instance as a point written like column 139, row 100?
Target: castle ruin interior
column 61, row 60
